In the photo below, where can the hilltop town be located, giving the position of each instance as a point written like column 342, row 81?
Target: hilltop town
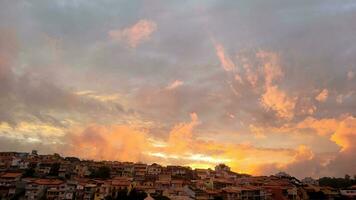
column 33, row 176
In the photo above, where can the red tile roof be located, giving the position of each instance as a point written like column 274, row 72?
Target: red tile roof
column 48, row 181
column 11, row 175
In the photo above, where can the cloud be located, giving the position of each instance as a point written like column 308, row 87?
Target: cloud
column 251, row 75
column 33, row 95
column 271, row 66
column 345, row 134
column 307, row 163
column 342, row 97
column 46, row 74
column 273, row 98
column 117, row 142
column 278, row 101
column 322, row 127
column 136, row 34
column 303, row 153
column 350, row 75
column 181, row 136
column 225, row 60
column 183, row 147
column 322, row 96
column 175, row 84
column 100, row 97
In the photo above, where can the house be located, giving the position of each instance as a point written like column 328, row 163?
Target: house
column 281, row 189
column 219, row 183
column 126, row 169
column 44, row 168
column 177, row 184
column 103, row 189
column 48, row 188
column 202, row 173
column 154, row 169
column 8, row 182
column 120, row 183
column 139, row 170
column 242, row 193
column 89, row 191
column 309, row 181
column 9, row 178
column 178, row 170
column 349, row 193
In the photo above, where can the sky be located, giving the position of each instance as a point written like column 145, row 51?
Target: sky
column 260, row 85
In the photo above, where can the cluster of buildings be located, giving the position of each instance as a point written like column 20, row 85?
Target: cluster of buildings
column 32, row 176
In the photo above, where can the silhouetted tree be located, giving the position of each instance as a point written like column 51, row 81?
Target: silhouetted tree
column 108, row 198
column 30, row 172
column 160, row 197
column 347, row 177
column 54, row 169
column 122, row 194
column 337, row 182
column 102, row 172
column 132, row 195
column 137, row 195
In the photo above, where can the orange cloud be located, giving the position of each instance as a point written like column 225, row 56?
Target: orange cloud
column 341, row 97
column 183, row 147
column 271, row 67
column 305, row 106
column 181, row 136
column 303, row 153
column 278, row 101
column 225, row 60
column 251, row 75
column 345, row 134
column 257, row 131
column 238, row 78
column 322, row 96
column 273, row 98
column 174, row 85
column 109, row 143
column 136, row 34
column 322, row 127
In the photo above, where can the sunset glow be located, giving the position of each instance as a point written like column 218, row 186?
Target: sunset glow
column 260, row 87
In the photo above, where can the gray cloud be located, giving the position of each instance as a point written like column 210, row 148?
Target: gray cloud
column 50, row 50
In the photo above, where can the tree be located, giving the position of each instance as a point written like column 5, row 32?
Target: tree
column 108, row 198
column 347, row 177
column 137, row 195
column 337, row 182
column 102, row 172
column 54, row 169
column 29, row 172
column 132, row 195
column 160, row 197
column 122, row 194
